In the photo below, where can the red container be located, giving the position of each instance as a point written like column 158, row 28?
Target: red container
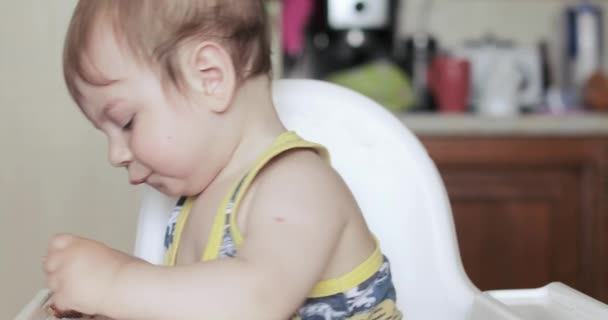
column 449, row 79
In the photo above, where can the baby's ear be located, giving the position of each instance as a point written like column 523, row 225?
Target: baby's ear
column 211, row 73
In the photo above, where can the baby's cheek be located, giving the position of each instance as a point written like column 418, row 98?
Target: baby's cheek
column 147, row 147
column 161, row 153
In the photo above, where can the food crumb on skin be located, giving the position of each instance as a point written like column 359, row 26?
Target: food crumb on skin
column 58, row 314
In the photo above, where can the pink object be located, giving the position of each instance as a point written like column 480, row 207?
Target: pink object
column 294, row 19
column 449, row 80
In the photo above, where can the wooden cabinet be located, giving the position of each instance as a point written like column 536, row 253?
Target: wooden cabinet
column 529, row 211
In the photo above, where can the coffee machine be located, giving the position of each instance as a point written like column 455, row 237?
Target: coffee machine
column 345, row 33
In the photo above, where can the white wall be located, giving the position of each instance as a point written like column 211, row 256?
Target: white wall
column 53, row 170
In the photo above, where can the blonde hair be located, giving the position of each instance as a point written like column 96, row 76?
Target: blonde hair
column 153, row 30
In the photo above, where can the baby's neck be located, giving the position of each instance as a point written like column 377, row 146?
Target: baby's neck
column 257, row 122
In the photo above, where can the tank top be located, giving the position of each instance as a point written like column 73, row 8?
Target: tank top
column 366, row 292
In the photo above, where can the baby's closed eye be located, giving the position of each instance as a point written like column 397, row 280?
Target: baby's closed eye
column 129, row 125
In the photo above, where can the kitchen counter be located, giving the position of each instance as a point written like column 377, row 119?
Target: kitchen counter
column 432, row 124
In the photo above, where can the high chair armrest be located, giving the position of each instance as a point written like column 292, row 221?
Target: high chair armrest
column 555, row 301
column 487, row 307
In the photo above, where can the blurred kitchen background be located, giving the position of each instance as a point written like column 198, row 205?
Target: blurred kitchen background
column 508, row 97
column 486, row 57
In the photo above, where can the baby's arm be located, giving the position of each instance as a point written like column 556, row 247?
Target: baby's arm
column 291, row 230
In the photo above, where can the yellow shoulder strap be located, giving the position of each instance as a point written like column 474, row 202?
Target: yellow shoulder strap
column 171, row 254
column 286, row 141
column 328, row 287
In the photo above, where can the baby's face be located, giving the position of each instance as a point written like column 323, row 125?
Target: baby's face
column 161, row 139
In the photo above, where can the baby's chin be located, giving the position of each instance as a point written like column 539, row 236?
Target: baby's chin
column 174, row 188
column 166, row 190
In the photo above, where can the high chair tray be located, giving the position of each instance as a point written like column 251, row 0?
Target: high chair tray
column 554, row 301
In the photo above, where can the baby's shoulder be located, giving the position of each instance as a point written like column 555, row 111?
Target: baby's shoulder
column 303, row 170
column 299, row 186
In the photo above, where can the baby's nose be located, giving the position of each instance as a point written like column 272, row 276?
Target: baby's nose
column 120, row 155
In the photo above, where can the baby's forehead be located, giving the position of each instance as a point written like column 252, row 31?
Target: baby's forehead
column 104, row 61
column 107, row 54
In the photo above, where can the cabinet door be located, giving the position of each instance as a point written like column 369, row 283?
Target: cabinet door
column 528, row 211
column 516, row 228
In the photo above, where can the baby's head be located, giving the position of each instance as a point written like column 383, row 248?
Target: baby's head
column 158, row 77
column 153, row 32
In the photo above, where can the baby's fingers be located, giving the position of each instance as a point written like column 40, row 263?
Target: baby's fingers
column 53, row 282
column 60, row 241
column 50, row 264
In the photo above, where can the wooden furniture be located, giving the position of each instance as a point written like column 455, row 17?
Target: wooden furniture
column 528, row 209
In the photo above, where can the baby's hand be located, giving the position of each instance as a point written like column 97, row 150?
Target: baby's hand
column 81, row 272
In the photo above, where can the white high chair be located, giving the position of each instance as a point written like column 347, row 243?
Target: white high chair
column 404, row 201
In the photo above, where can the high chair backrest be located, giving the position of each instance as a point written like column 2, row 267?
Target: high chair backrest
column 394, row 181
